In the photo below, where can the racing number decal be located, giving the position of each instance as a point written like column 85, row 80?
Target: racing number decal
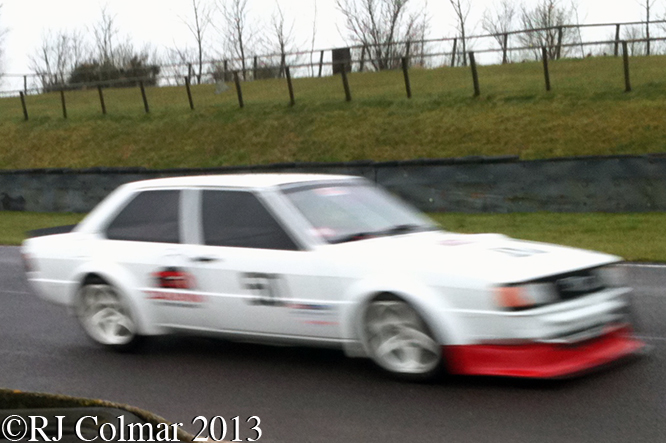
column 268, row 289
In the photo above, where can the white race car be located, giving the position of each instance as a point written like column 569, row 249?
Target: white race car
column 331, row 261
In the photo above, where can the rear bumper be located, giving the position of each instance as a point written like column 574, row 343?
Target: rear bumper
column 541, row 360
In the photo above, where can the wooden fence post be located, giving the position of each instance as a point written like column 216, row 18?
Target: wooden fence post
column 239, row 91
column 189, row 92
column 505, row 57
column 453, row 52
column 255, row 66
column 405, row 72
column 292, row 100
column 189, row 70
column 345, row 82
column 617, row 40
column 101, row 99
column 25, row 84
column 625, row 59
column 560, row 32
column 475, row 74
column 321, row 62
column 143, row 95
column 226, row 71
column 23, row 105
column 546, row 73
column 64, row 105
column 360, row 69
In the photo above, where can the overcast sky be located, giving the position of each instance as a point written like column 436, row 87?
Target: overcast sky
column 160, row 22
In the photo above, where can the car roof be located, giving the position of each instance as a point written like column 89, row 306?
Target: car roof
column 253, row 181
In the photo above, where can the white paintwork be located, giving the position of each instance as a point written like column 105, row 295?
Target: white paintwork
column 447, row 278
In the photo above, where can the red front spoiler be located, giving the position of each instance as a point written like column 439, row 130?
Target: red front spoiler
column 541, row 360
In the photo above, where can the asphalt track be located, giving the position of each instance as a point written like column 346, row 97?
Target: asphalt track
column 306, row 395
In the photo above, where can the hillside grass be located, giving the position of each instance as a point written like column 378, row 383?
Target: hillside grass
column 587, row 113
column 636, row 237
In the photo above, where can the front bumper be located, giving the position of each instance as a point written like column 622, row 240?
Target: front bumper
column 542, row 360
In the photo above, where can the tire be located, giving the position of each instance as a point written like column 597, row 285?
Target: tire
column 399, row 341
column 106, row 318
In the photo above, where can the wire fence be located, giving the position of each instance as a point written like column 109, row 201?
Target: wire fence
column 542, row 44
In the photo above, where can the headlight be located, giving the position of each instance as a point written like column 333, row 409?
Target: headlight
column 613, row 276
column 525, row 296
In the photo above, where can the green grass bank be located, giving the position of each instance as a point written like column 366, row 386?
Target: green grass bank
column 586, row 113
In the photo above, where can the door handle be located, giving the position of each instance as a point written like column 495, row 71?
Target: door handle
column 205, row 259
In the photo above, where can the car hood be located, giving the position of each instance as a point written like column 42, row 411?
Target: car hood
column 491, row 258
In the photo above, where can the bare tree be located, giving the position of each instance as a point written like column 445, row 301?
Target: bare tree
column 633, row 35
column 198, row 24
column 647, row 7
column 59, row 53
column 579, row 34
column 547, row 20
column 382, row 27
column 283, row 35
column 461, row 9
column 105, row 34
column 176, row 63
column 500, row 21
column 314, row 37
column 238, row 33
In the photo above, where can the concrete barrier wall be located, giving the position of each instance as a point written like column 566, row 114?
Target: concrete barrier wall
column 498, row 184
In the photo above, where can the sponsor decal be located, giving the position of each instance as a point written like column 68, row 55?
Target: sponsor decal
column 518, row 252
column 331, row 192
column 321, row 322
column 174, row 278
column 310, row 307
column 171, row 283
column 181, row 297
column 455, row 242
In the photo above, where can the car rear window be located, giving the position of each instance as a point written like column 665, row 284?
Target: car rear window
column 152, row 216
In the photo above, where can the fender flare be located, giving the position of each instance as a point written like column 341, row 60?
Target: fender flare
column 432, row 306
column 126, row 285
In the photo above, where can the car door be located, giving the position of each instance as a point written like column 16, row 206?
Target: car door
column 144, row 240
column 259, row 279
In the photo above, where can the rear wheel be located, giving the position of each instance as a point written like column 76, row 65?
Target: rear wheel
column 399, row 341
column 105, row 317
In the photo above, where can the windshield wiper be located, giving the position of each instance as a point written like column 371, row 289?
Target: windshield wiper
column 407, row 228
column 356, row 236
column 394, row 230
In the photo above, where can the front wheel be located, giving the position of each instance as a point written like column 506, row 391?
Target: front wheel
column 399, row 341
column 106, row 318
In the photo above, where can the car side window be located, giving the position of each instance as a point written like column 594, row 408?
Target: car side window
column 239, row 219
column 151, row 216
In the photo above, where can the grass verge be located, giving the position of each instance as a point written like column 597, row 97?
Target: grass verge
column 636, row 237
column 15, row 225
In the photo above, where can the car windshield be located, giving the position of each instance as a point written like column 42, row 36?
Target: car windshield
column 351, row 211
